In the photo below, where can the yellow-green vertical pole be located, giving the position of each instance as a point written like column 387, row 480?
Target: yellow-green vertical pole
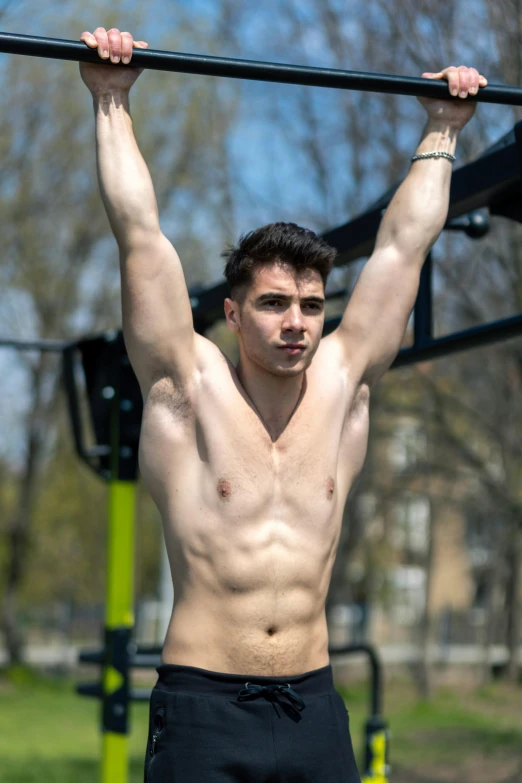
column 119, row 620
column 119, row 616
column 376, row 764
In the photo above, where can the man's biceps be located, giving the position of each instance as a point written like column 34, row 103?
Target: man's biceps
column 355, row 324
column 370, row 346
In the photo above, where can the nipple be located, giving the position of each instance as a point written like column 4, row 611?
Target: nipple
column 224, row 489
column 330, row 487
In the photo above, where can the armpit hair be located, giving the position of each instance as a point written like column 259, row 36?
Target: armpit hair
column 173, row 397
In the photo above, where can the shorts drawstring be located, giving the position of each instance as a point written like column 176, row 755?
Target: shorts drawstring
column 252, row 691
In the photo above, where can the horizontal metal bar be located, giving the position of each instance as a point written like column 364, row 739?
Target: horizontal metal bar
column 57, row 48
column 91, row 656
column 143, row 661
column 93, row 690
column 35, row 345
column 140, row 694
column 477, row 336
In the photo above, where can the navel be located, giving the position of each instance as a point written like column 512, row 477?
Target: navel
column 330, row 488
column 224, row 489
column 271, row 631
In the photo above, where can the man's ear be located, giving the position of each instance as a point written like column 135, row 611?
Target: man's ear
column 232, row 314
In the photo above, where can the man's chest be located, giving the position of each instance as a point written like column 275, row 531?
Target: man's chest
column 224, row 458
column 312, row 462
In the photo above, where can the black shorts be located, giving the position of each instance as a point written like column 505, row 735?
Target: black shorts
column 208, row 727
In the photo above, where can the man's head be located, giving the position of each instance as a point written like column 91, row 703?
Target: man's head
column 277, row 276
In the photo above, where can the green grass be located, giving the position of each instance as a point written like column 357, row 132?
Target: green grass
column 48, row 734
column 455, row 730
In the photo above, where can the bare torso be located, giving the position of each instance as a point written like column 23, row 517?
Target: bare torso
column 252, row 523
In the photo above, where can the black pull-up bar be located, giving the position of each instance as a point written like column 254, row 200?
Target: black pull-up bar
column 59, row 49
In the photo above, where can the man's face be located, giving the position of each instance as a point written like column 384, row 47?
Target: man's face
column 280, row 323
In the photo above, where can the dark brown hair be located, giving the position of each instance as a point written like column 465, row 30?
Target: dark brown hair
column 285, row 243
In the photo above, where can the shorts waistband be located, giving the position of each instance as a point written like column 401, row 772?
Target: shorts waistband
column 191, row 679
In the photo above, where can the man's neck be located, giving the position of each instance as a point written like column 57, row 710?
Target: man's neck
column 275, row 398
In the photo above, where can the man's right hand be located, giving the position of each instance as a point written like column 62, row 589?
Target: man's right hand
column 116, row 47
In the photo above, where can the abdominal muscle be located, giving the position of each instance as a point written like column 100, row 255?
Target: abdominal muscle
column 251, row 606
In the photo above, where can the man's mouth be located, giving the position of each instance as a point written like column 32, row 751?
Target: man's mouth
column 292, row 348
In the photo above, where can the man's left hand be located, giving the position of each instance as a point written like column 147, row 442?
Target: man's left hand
column 462, row 81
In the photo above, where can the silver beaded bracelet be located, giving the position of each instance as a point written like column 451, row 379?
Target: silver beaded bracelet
column 424, row 155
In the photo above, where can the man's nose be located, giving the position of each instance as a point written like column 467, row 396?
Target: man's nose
column 294, row 319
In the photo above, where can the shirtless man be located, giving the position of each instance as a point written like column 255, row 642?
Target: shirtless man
column 250, row 466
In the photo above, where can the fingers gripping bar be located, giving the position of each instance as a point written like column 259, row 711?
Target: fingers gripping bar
column 59, row 49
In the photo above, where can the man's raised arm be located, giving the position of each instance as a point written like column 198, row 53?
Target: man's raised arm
column 157, row 317
column 377, row 314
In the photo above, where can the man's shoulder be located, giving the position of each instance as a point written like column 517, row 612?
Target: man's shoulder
column 334, row 356
column 333, row 372
column 208, row 354
column 330, row 357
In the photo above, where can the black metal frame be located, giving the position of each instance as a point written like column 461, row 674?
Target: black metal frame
column 492, row 182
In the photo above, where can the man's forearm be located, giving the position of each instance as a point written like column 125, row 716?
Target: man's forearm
column 125, row 183
column 417, row 212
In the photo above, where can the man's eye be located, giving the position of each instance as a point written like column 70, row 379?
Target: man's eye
column 280, row 303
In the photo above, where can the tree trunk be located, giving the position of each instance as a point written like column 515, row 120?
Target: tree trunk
column 424, row 628
column 493, row 609
column 18, row 534
column 513, row 608
column 424, row 668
